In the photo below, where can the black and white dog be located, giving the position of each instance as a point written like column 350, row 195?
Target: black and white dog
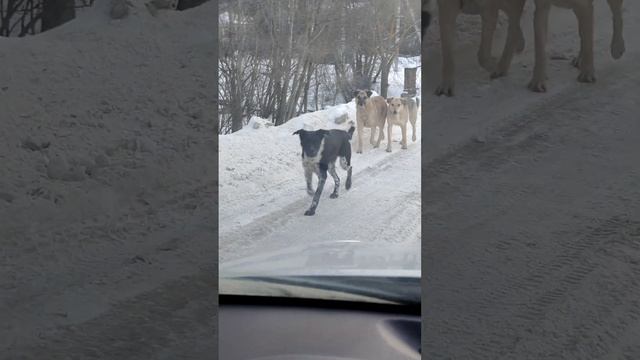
column 320, row 150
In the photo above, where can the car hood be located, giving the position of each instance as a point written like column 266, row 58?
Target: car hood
column 331, row 258
column 349, row 270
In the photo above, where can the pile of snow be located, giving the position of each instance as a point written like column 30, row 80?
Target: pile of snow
column 103, row 118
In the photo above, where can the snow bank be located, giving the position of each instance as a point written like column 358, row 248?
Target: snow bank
column 104, row 117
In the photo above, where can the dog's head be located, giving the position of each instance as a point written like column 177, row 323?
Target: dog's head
column 396, row 104
column 362, row 96
column 310, row 141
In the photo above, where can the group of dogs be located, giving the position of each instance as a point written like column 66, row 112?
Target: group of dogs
column 322, row 148
column 448, row 10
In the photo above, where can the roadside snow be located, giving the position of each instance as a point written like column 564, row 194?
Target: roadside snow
column 107, row 144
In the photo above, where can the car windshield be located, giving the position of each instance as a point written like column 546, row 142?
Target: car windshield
column 319, row 152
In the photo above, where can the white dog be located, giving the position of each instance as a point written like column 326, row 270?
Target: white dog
column 401, row 110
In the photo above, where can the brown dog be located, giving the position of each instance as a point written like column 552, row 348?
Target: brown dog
column 371, row 112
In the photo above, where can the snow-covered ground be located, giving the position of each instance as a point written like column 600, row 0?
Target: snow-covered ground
column 107, row 144
column 531, row 230
column 262, row 183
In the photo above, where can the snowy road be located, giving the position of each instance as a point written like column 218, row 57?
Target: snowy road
column 382, row 206
column 531, row 229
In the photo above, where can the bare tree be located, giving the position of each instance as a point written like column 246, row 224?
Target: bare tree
column 391, row 28
column 280, row 58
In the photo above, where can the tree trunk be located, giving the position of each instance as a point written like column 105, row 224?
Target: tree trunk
column 384, row 77
column 317, row 86
column 236, row 114
column 56, row 13
column 307, row 84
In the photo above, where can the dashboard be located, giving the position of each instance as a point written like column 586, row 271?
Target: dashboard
column 280, row 328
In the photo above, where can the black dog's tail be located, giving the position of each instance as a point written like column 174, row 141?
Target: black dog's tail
column 351, row 130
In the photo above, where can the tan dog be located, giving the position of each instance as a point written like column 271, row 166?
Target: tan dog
column 371, row 112
column 401, row 110
column 488, row 10
column 583, row 10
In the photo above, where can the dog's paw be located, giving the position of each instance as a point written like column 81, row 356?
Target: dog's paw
column 499, row 72
column 404, row 147
column 444, row 89
column 309, row 212
column 488, row 63
column 333, row 196
column 537, row 85
column 617, row 49
column 310, row 192
column 388, row 149
column 575, row 62
column 413, row 138
column 587, row 76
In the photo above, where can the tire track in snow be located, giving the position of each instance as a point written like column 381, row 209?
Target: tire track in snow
column 233, row 243
column 531, row 138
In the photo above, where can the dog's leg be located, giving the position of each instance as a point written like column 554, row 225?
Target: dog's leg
column 347, row 166
column 336, row 180
column 380, row 135
column 322, row 178
column 389, row 134
column 489, row 22
column 308, row 175
column 617, row 41
column 372, row 138
column 404, row 135
column 577, row 60
column 540, row 21
column 584, row 13
column 448, row 14
column 413, row 118
column 515, row 38
column 360, row 128
column 345, row 162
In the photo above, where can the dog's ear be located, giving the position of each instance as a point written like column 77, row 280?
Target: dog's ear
column 405, row 101
column 369, row 92
column 355, row 93
column 297, row 132
column 389, row 100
